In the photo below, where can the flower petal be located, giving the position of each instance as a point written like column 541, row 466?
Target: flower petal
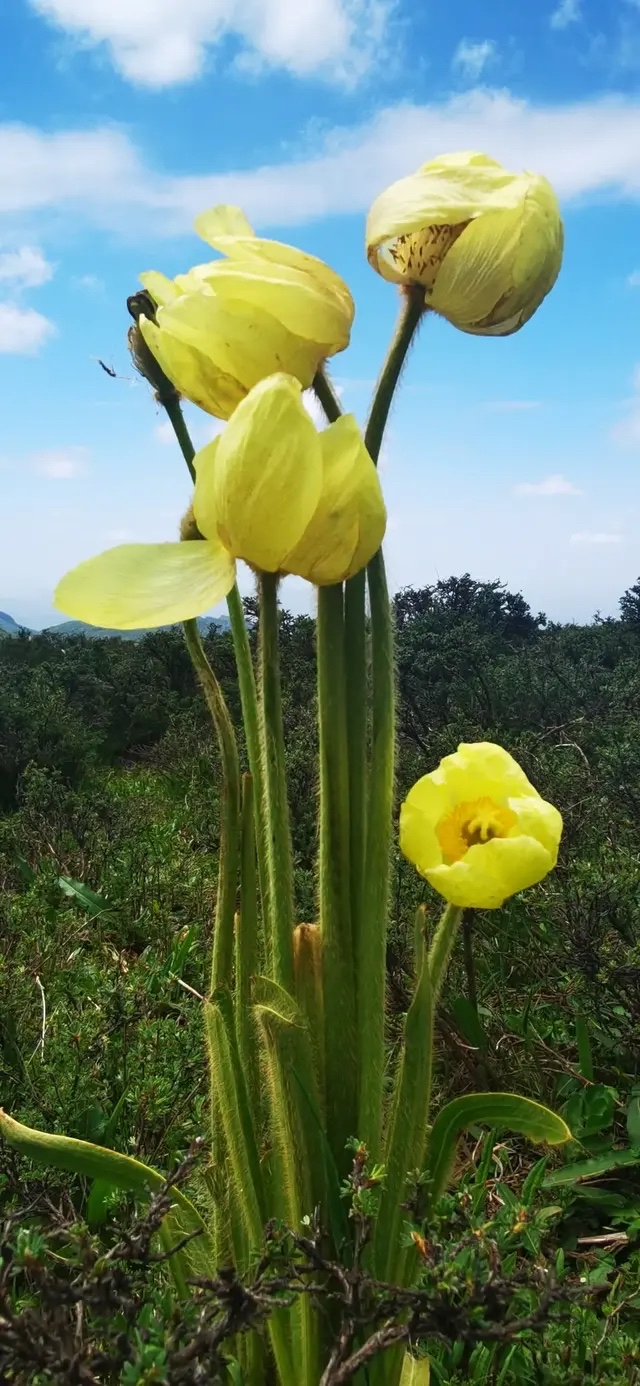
column 445, row 191
column 302, row 302
column 491, row 872
column 540, row 820
column 193, row 372
column 418, row 841
column 222, row 221
column 204, row 496
column 267, row 477
column 481, row 769
column 161, row 289
column 243, row 340
column 147, row 585
column 348, row 524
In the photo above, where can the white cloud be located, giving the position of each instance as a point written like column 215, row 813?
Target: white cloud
column 567, row 12
column 633, row 280
column 161, row 42
column 91, row 282
column 471, row 58
column 587, row 536
column 587, row 148
column 25, row 268
column 555, row 485
column 22, row 330
column 59, row 464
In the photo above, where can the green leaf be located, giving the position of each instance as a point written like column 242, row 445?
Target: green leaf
column 585, row 1058
column 414, row 1372
column 579, row 1170
column 501, row 1109
column 468, row 1022
column 122, row 1172
column 94, row 904
column 633, row 1120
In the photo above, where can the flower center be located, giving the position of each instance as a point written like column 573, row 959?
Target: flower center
column 419, row 254
column 472, row 823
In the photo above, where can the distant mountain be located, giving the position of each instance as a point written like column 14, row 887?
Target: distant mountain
column 8, row 626
column 70, row 628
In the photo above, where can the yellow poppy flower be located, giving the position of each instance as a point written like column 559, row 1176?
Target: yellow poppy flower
column 486, row 245
column 271, row 490
column 476, row 828
column 226, row 325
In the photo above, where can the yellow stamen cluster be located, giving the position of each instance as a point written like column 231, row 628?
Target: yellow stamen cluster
column 472, row 823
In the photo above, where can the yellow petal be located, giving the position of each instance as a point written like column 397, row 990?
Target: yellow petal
column 491, row 872
column 418, row 841
column 193, row 373
column 444, row 192
column 540, row 820
column 221, row 221
column 300, row 301
column 481, row 769
column 242, row 340
column 348, row 525
column 204, row 496
column 145, row 585
column 161, row 289
column 267, row 476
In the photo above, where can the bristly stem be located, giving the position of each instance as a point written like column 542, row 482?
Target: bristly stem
column 278, row 833
column 242, row 650
column 222, row 959
column 355, row 643
column 373, row 915
column 335, row 885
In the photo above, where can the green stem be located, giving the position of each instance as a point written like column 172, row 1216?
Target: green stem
column 335, row 885
column 222, row 960
column 278, row 833
column 246, row 677
column 356, row 697
column 469, row 961
column 251, row 720
column 441, row 947
column 176, row 417
column 247, row 949
column 371, row 925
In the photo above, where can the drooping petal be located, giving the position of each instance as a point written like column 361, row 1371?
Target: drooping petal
column 137, row 586
column 194, row 373
column 267, row 477
column 491, row 872
column 243, row 340
column 298, row 300
column 204, row 496
column 348, row 524
column 222, row 221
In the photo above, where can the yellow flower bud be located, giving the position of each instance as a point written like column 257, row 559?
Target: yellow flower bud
column 271, row 490
column 477, row 830
column 226, row 325
column 286, row 498
column 486, row 245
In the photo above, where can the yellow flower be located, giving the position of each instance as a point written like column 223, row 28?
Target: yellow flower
column 485, row 244
column 226, row 325
column 271, row 490
column 477, row 830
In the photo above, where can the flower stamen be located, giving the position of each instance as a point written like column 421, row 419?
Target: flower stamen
column 472, row 823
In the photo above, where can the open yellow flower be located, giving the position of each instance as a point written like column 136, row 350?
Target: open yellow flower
column 476, row 828
column 226, row 325
column 486, row 245
column 271, row 490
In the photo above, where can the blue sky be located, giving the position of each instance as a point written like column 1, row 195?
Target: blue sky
column 121, row 119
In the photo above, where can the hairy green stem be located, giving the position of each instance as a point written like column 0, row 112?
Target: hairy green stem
column 442, row 946
column 247, row 950
column 176, row 417
column 355, row 641
column 251, row 721
column 335, row 885
column 371, row 926
column 222, row 958
column 278, row 833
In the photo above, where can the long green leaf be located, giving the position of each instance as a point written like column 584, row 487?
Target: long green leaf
column 94, row 904
column 501, row 1109
column 415, row 1372
column 121, row 1172
column 580, row 1170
